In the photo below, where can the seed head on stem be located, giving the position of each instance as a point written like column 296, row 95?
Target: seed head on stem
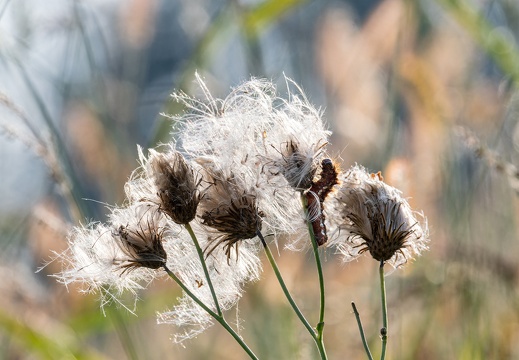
column 168, row 180
column 230, row 209
column 371, row 216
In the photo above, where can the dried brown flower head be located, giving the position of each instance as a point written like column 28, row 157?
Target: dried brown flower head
column 377, row 219
column 142, row 245
column 297, row 167
column 177, row 185
column 231, row 210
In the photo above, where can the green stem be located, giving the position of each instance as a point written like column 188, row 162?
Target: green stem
column 320, row 325
column 361, row 330
column 383, row 331
column 204, row 266
column 298, row 312
column 217, row 317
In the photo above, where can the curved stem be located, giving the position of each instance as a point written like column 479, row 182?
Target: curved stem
column 320, row 325
column 383, row 331
column 298, row 312
column 361, row 330
column 217, row 317
column 204, row 266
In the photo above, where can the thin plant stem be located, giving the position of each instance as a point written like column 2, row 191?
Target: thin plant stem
column 361, row 330
column 320, row 325
column 215, row 316
column 384, row 330
column 204, row 266
column 311, row 330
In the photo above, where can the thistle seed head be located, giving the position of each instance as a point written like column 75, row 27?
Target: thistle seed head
column 177, row 185
column 142, row 246
column 297, row 168
column 230, row 210
column 377, row 219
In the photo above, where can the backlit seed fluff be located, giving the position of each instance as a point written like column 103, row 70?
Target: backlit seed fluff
column 118, row 256
column 371, row 216
column 274, row 143
column 295, row 143
column 252, row 126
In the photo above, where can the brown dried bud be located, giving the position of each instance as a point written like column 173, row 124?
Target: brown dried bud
column 230, row 209
column 177, row 185
column 142, row 245
column 298, row 168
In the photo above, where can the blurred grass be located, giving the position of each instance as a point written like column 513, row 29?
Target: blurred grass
column 497, row 42
column 396, row 85
column 45, row 346
column 251, row 20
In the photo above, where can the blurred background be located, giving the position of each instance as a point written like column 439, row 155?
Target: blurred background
column 424, row 91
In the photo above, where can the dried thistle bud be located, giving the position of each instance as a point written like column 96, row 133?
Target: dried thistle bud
column 298, row 168
column 377, row 219
column 231, row 210
column 177, row 185
column 142, row 244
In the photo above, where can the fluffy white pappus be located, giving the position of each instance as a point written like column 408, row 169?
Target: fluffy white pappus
column 295, row 144
column 368, row 215
column 253, row 125
column 141, row 185
column 123, row 255
column 228, row 276
column 221, row 128
column 144, row 215
column 93, row 260
column 275, row 143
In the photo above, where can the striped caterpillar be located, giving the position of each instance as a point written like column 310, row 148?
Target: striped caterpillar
column 318, row 193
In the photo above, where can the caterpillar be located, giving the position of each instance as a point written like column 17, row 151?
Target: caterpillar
column 318, row 193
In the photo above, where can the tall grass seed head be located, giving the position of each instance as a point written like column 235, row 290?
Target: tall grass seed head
column 376, row 219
